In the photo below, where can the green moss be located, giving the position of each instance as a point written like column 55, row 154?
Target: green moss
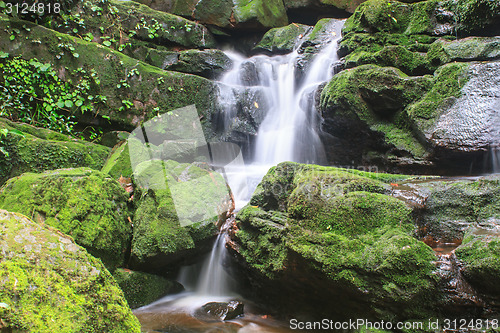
column 401, row 139
column 475, row 14
column 269, row 13
column 142, row 288
column 341, row 225
column 52, row 285
column 35, row 150
column 93, row 209
column 480, row 256
column 282, row 39
column 169, row 219
column 214, row 12
column 448, row 81
column 118, row 163
column 472, row 48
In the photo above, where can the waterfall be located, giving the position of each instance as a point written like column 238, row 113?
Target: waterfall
column 289, row 129
column 288, row 132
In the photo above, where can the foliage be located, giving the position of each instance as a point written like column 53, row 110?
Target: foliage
column 32, row 92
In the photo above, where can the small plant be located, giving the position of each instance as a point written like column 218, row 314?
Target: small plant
column 31, row 92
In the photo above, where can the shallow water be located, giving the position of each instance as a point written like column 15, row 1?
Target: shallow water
column 176, row 314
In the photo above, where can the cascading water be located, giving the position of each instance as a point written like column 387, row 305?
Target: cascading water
column 288, row 131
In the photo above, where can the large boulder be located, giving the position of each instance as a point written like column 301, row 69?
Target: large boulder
column 177, row 214
column 50, row 284
column 26, row 148
column 82, row 203
column 129, row 91
column 329, row 241
column 364, row 111
column 461, row 111
column 232, row 14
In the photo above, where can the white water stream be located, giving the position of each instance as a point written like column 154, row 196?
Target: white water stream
column 289, row 132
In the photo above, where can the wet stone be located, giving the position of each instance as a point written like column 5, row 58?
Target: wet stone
column 220, row 311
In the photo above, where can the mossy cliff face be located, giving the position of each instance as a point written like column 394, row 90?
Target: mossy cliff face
column 145, row 90
column 82, row 203
column 336, row 235
column 32, row 149
column 177, row 213
column 50, row 284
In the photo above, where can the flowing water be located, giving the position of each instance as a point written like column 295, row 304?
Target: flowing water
column 288, row 132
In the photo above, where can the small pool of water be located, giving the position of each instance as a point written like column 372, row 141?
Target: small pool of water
column 176, row 314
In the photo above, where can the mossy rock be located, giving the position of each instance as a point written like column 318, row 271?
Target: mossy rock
column 33, row 149
column 340, row 230
column 149, row 89
column 50, row 284
column 177, row 214
column 118, row 163
column 143, row 288
column 457, row 101
column 430, row 17
column 123, row 22
column 453, row 206
column 207, row 63
column 444, row 51
column 373, row 99
column 233, row 14
column 213, row 12
column 479, row 256
column 82, row 203
column 283, row 40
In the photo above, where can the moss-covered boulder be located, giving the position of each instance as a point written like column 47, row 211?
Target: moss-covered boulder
column 333, row 236
column 120, row 23
column 283, row 40
column 50, row 284
column 456, row 115
column 451, row 207
column 364, row 108
column 177, row 214
column 26, row 148
column 444, row 51
column 118, row 163
column 321, row 7
column 142, row 288
column 479, row 257
column 82, row 203
column 234, row 14
column 133, row 91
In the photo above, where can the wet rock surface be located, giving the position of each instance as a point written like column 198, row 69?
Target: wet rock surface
column 221, row 310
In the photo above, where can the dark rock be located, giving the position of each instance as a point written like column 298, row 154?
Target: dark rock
column 111, row 139
column 207, row 63
column 221, row 310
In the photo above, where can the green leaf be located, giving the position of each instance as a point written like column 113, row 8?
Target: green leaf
column 60, row 104
column 106, row 43
column 68, row 103
column 17, row 132
column 3, row 55
column 76, row 55
column 12, row 37
column 48, row 107
column 75, row 31
column 79, row 103
column 4, row 131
